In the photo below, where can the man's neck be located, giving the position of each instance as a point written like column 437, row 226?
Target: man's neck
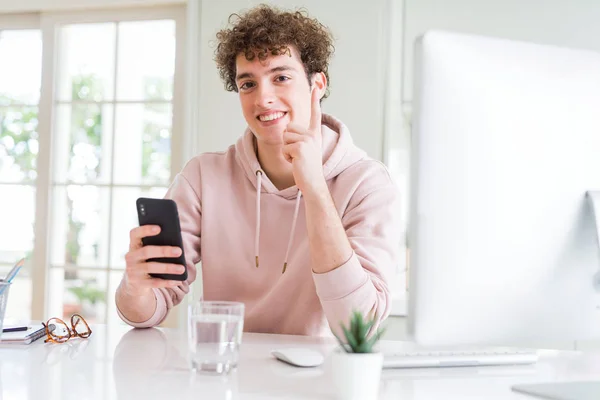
column 273, row 163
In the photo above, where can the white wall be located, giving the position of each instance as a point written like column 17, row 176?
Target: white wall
column 356, row 92
column 22, row 6
column 571, row 23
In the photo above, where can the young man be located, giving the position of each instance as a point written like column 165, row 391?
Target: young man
column 293, row 220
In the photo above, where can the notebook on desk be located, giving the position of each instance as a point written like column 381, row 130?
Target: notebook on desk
column 33, row 333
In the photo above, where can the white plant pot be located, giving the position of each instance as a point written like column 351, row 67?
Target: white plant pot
column 356, row 375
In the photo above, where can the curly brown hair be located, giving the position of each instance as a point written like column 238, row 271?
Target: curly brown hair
column 266, row 30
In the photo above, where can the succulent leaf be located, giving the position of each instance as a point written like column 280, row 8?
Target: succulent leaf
column 357, row 334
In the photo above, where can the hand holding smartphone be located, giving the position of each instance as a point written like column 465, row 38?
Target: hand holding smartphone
column 162, row 212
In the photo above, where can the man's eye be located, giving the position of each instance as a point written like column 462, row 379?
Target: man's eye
column 246, row 85
column 282, row 78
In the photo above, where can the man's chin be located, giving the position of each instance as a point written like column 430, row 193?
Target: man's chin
column 269, row 136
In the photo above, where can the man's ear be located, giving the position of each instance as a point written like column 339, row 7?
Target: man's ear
column 319, row 81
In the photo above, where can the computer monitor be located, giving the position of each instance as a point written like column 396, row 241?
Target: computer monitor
column 503, row 238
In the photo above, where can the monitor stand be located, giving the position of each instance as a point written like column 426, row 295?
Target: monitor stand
column 583, row 390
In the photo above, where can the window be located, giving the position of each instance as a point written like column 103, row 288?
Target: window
column 110, row 132
column 20, row 80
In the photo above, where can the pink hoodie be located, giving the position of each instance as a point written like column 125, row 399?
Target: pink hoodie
column 232, row 216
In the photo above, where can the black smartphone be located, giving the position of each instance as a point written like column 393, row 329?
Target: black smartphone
column 162, row 212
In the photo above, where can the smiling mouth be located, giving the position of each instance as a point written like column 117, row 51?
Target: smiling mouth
column 271, row 117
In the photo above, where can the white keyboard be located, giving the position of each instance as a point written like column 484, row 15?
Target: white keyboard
column 421, row 359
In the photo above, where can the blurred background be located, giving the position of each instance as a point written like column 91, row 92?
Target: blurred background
column 103, row 101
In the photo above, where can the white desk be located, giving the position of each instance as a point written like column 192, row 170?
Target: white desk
column 151, row 364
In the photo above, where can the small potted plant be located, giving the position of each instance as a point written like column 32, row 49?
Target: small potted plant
column 357, row 364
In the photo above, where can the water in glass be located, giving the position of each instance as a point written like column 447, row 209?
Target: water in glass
column 215, row 334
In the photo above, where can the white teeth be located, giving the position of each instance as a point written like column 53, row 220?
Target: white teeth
column 271, row 117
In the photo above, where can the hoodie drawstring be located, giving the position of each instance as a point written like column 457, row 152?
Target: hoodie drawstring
column 257, row 233
column 289, row 246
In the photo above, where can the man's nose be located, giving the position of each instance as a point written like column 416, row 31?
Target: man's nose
column 265, row 96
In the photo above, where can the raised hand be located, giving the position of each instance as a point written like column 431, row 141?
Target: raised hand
column 303, row 148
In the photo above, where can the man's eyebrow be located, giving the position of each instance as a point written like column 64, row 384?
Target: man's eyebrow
column 281, row 68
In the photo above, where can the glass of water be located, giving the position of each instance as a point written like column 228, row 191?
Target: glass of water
column 214, row 335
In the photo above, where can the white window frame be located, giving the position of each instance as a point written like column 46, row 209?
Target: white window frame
column 49, row 23
column 13, row 22
column 396, row 136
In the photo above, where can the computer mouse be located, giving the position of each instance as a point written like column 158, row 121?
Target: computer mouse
column 299, row 357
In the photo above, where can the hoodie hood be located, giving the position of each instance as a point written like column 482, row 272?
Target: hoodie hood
column 339, row 153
